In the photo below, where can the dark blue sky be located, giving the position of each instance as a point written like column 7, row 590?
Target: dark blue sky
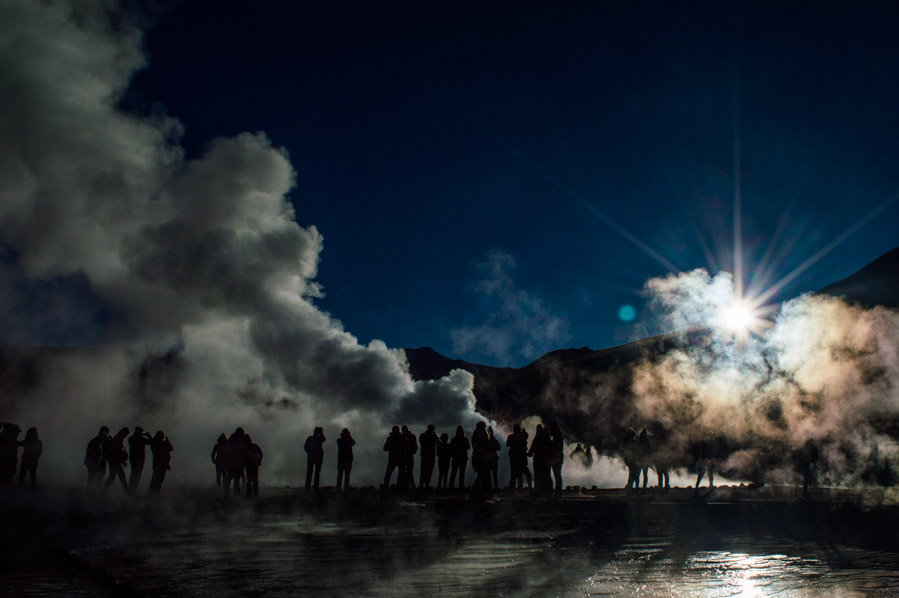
column 427, row 144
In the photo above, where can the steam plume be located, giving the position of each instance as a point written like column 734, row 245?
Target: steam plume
column 200, row 265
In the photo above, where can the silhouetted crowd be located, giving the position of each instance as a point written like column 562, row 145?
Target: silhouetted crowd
column 452, row 455
column 237, row 459
column 107, row 453
column 639, row 455
column 32, row 448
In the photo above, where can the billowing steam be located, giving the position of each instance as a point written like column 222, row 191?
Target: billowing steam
column 826, row 371
column 205, row 283
column 206, row 279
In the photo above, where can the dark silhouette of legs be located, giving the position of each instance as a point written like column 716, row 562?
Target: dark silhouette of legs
column 427, row 470
column 662, row 473
column 313, row 473
column 117, row 471
column 557, row 474
column 343, row 473
column 137, row 468
column 156, row 480
column 391, row 465
column 31, row 470
column 252, row 481
column 458, row 466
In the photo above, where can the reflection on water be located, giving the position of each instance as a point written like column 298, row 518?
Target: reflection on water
column 280, row 558
column 560, row 553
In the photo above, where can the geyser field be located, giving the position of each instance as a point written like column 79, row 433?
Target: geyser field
column 195, row 284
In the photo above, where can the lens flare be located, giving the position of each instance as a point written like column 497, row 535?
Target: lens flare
column 737, row 317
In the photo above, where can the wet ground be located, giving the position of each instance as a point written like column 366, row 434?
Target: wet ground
column 725, row 542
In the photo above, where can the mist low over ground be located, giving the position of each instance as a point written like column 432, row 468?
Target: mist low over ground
column 710, row 542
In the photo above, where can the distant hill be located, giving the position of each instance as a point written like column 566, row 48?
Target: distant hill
column 555, row 385
column 875, row 284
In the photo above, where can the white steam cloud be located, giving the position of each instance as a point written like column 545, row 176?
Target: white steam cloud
column 826, row 371
column 203, row 255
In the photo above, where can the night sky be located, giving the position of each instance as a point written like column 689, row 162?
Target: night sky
column 520, row 174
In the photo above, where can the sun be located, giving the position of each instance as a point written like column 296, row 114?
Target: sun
column 740, row 317
column 737, row 317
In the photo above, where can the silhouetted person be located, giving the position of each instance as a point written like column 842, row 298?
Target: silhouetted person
column 162, row 456
column 137, row 454
column 582, row 455
column 315, row 455
column 661, row 455
column 557, row 453
column 644, row 456
column 395, row 447
column 32, row 448
column 518, row 457
column 480, row 453
column 220, row 459
column 493, row 458
column 94, row 457
column 541, row 450
column 408, row 478
column 428, row 441
column 459, row 446
column 704, row 460
column 345, row 444
column 253, row 462
column 805, row 458
column 444, row 457
column 9, row 452
column 629, row 454
column 116, row 457
column 236, row 460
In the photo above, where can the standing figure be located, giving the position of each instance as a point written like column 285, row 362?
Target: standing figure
column 220, row 459
column 137, row 453
column 409, row 464
column 541, row 450
column 395, row 447
column 315, row 455
column 236, row 458
column 428, row 441
column 703, row 454
column 493, row 458
column 95, row 458
column 582, row 455
column 32, row 448
column 253, row 462
column 644, row 456
column 480, row 449
column 518, row 457
column 444, row 456
column 116, row 457
column 162, row 455
column 557, row 455
column 459, row 446
column 629, row 454
column 805, row 458
column 9, row 452
column 661, row 455
column 345, row 444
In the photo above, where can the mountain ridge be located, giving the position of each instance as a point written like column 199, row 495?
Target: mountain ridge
column 505, row 393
